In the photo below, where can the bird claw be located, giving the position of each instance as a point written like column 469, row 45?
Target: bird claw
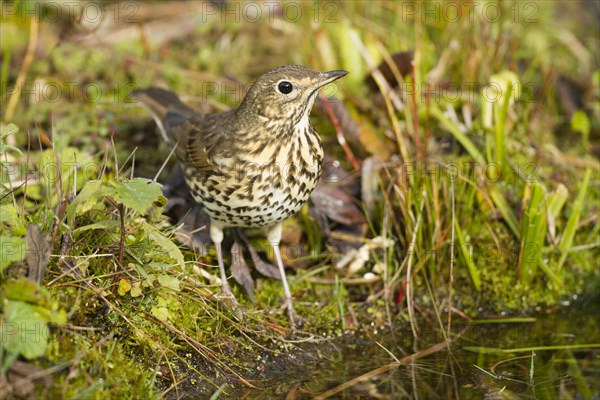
column 230, row 301
column 295, row 320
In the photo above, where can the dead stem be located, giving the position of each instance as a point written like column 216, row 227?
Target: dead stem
column 388, row 367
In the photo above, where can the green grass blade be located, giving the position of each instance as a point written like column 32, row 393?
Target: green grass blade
column 507, row 213
column 458, row 135
column 533, row 232
column 493, row 350
column 473, row 271
column 569, row 233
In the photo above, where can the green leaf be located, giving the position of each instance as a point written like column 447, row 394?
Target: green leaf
column 164, row 243
column 27, row 291
column 106, row 225
column 139, row 194
column 159, row 265
column 10, row 217
column 89, row 196
column 58, row 317
column 161, row 311
column 136, row 289
column 24, row 330
column 580, row 123
column 169, row 282
column 8, row 130
column 12, row 249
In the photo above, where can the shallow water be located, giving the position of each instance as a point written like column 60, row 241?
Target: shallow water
column 463, row 373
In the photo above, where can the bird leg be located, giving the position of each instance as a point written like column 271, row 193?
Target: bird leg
column 274, row 237
column 216, row 235
column 225, row 288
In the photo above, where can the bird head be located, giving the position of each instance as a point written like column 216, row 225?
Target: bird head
column 287, row 93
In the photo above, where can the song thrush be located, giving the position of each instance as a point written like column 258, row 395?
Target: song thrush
column 253, row 166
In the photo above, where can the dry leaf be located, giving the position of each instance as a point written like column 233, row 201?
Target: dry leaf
column 369, row 182
column 402, row 62
column 263, row 267
column 337, row 205
column 38, row 252
column 240, row 270
column 354, row 260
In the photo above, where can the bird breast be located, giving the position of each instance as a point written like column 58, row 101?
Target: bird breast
column 267, row 181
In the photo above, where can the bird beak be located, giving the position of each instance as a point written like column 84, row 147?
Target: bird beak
column 328, row 77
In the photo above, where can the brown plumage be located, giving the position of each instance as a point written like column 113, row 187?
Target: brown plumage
column 253, row 166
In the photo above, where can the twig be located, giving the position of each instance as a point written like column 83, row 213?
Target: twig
column 451, row 259
column 404, row 361
column 121, row 209
column 340, row 135
column 415, row 115
column 411, row 249
column 164, row 164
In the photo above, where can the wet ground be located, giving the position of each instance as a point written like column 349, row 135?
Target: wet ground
column 491, row 360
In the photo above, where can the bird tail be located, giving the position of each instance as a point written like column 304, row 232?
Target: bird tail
column 168, row 113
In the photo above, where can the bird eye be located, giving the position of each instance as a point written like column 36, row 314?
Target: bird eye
column 285, row 87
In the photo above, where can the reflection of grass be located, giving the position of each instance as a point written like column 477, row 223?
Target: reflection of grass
column 524, row 226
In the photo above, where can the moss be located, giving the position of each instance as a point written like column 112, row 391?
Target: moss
column 104, row 368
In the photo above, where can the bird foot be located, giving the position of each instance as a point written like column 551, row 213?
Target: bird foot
column 295, row 320
column 230, row 301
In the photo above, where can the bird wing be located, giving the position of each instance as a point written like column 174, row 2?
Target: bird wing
column 179, row 125
column 210, row 137
column 196, row 147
